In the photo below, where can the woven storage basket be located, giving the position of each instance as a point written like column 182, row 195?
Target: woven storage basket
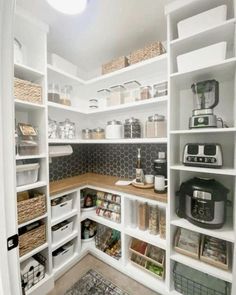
column 147, row 52
column 31, row 208
column 27, row 91
column 115, row 64
column 32, row 239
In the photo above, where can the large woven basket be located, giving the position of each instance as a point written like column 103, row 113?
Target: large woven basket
column 32, row 239
column 31, row 208
column 27, row 91
column 147, row 52
column 115, row 64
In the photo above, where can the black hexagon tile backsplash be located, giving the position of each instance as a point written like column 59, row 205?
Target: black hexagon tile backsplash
column 108, row 159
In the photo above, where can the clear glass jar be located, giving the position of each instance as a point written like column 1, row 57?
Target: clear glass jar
column 67, row 129
column 145, row 92
column 132, row 128
column 103, row 97
column 116, row 95
column 156, row 126
column 66, row 95
column 86, row 133
column 54, row 93
column 98, row 133
column 160, row 89
column 52, row 129
column 132, row 91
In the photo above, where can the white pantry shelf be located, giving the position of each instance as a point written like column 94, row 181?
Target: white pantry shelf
column 60, row 106
column 220, row 171
column 225, row 233
column 204, row 130
column 33, row 220
column 28, row 106
column 30, row 186
column 27, row 73
column 57, row 272
column 203, row 267
column 55, row 221
column 33, row 252
column 41, row 156
column 57, row 245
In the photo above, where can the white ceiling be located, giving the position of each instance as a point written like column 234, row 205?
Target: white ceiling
column 107, row 29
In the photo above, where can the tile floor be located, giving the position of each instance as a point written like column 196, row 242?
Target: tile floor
column 88, row 262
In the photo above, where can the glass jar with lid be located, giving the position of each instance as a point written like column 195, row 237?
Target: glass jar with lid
column 103, row 97
column 156, row 126
column 145, row 92
column 54, row 92
column 160, row 89
column 67, row 129
column 114, row 129
column 52, row 129
column 132, row 128
column 98, row 133
column 116, row 95
column 87, row 133
column 132, row 91
column 66, row 95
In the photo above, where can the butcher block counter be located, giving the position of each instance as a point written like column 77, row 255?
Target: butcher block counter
column 103, row 182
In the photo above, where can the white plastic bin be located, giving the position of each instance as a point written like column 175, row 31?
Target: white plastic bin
column 201, row 58
column 63, row 207
column 202, row 21
column 61, row 255
column 61, row 231
column 27, row 174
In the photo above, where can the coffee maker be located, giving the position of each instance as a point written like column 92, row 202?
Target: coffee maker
column 206, row 97
column 160, row 170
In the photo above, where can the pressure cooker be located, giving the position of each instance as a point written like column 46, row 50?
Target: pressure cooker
column 202, row 201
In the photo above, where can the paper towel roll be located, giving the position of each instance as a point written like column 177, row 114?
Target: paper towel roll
column 28, row 266
column 38, row 274
column 28, row 282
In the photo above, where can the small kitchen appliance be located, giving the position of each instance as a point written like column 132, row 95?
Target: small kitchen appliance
column 160, row 170
column 202, row 201
column 206, row 97
column 203, row 155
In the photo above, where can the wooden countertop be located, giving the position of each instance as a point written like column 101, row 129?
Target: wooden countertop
column 102, row 181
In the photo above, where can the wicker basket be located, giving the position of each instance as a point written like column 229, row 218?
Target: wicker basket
column 115, row 64
column 32, row 239
column 147, row 52
column 27, row 91
column 31, row 208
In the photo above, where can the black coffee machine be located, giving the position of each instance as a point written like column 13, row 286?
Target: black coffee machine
column 202, row 202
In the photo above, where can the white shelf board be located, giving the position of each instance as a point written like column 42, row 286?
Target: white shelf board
column 28, row 106
column 66, row 265
column 68, row 77
column 57, row 245
column 146, row 236
column 41, row 156
column 225, row 233
column 30, row 186
column 33, row 252
column 45, row 284
column 99, row 219
column 220, row 171
column 204, row 130
column 32, row 220
column 222, row 71
column 59, row 106
column 105, row 141
column 27, row 73
column 203, row 267
column 55, row 221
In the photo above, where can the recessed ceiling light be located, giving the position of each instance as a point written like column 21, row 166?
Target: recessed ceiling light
column 68, row 6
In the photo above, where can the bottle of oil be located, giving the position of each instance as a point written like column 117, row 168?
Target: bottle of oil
column 139, row 170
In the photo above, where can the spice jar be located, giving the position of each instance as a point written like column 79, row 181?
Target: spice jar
column 160, row 89
column 98, row 133
column 114, row 129
column 146, row 92
column 132, row 91
column 142, row 216
column 53, row 93
column 103, row 97
column 93, row 103
column 132, row 128
column 153, row 225
column 156, row 126
column 86, row 133
column 116, row 95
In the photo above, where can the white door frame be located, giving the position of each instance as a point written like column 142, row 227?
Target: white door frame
column 9, row 260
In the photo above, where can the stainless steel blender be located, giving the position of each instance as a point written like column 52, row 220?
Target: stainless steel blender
column 206, row 94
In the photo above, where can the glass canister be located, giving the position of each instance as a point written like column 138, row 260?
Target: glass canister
column 116, row 95
column 153, row 225
column 160, row 89
column 52, row 129
column 132, row 128
column 54, row 92
column 86, row 133
column 132, row 91
column 98, row 133
column 67, row 129
column 66, row 95
column 103, row 97
column 156, row 126
column 145, row 92
column 114, row 129
column 142, row 216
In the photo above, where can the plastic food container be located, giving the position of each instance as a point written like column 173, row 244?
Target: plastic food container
column 61, row 231
column 160, row 89
column 103, row 97
column 114, row 129
column 62, row 254
column 145, row 92
column 132, row 92
column 61, row 206
column 54, row 93
column 116, row 96
column 27, row 174
column 28, row 141
column 66, row 95
column 156, row 126
column 202, row 21
column 201, row 58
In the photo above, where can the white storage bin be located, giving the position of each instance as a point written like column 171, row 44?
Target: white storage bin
column 27, row 174
column 64, row 207
column 61, row 231
column 202, row 21
column 201, row 58
column 62, row 255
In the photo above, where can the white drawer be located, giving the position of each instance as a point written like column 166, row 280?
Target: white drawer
column 62, row 256
column 61, row 209
column 62, row 232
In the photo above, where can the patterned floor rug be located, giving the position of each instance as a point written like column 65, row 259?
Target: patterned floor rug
column 93, row 283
